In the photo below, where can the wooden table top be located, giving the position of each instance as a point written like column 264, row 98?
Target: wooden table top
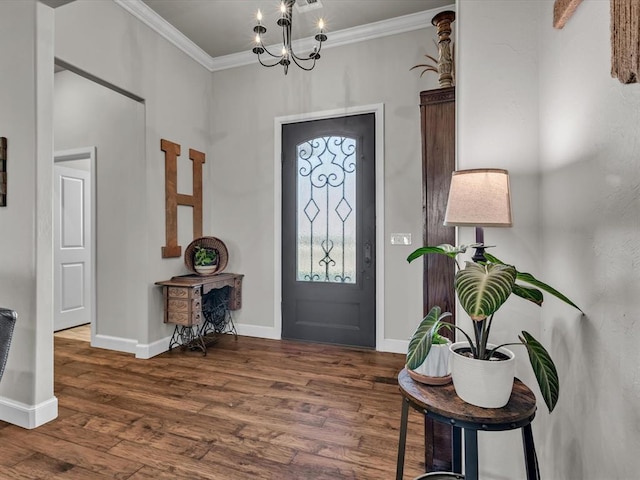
column 442, row 400
column 194, row 279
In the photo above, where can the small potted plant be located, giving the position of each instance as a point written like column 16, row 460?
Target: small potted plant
column 205, row 260
column 482, row 288
column 428, row 354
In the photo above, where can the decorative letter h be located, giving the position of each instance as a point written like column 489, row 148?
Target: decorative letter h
column 173, row 198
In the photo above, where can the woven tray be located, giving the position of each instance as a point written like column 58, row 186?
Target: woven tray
column 207, row 242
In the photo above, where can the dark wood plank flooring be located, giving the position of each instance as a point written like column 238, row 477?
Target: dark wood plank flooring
column 250, row 409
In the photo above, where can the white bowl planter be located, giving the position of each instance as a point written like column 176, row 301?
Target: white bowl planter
column 205, row 269
column 437, row 362
column 483, row 383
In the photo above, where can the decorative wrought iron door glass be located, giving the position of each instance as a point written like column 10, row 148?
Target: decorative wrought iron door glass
column 326, row 201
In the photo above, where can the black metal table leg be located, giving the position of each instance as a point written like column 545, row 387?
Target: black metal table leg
column 456, row 441
column 470, row 454
column 402, row 442
column 530, row 457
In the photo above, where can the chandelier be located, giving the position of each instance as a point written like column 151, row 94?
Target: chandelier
column 287, row 54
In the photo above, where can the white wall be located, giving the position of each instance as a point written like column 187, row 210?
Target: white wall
column 26, row 85
column 590, row 196
column 246, row 101
column 89, row 114
column 541, row 102
column 497, row 106
column 101, row 38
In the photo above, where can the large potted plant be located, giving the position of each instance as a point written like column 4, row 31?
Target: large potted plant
column 482, row 288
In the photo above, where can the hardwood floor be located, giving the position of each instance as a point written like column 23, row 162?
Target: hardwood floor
column 249, row 409
column 83, row 332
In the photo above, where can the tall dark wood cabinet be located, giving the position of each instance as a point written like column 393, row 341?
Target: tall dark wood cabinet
column 437, row 115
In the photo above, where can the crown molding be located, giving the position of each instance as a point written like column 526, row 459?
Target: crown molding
column 149, row 17
column 393, row 26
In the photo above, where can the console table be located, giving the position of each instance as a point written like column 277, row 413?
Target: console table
column 186, row 305
column 443, row 405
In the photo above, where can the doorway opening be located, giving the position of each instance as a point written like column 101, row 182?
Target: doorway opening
column 74, row 239
column 87, row 111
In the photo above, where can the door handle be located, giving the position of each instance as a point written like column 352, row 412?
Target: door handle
column 367, row 255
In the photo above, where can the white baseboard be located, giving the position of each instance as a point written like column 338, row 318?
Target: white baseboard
column 258, row 331
column 394, row 346
column 146, row 351
column 118, row 344
column 28, row 416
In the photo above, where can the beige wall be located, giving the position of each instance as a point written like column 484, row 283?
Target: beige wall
column 177, row 93
column 26, row 83
column 590, row 199
column 541, row 102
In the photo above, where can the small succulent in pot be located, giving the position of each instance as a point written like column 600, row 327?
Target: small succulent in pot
column 482, row 288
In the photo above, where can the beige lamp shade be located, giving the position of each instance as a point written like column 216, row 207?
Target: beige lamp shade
column 479, row 198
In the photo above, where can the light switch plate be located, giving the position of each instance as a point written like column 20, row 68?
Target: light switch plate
column 400, row 239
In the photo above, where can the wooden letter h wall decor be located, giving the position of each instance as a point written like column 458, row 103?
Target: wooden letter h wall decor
column 173, row 198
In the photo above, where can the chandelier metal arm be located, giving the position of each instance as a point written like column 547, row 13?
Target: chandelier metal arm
column 279, row 62
column 266, row 50
column 308, row 69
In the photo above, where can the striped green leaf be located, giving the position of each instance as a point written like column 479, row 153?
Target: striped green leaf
column 444, row 249
column 528, row 293
column 527, row 277
column 421, row 341
column 483, row 288
column 544, row 370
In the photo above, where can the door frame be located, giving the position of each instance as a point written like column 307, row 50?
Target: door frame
column 86, row 153
column 378, row 111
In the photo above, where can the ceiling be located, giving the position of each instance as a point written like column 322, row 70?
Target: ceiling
column 224, row 27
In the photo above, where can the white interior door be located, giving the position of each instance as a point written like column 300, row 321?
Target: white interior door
column 72, row 247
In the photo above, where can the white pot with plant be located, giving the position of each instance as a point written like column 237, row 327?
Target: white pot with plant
column 429, row 353
column 205, row 260
column 482, row 288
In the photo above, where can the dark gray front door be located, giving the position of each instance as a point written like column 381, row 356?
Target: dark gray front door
column 328, row 230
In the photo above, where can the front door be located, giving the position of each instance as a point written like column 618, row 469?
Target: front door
column 328, row 230
column 72, row 247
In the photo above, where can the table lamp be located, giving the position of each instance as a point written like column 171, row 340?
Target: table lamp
column 479, row 198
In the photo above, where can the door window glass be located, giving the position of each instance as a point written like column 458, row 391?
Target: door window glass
column 326, row 205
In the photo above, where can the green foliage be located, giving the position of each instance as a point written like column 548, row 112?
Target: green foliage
column 544, row 369
column 423, row 337
column 482, row 289
column 204, row 256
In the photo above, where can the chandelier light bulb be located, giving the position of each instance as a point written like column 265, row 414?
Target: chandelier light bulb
column 283, row 8
column 284, row 51
column 321, row 24
column 258, row 38
column 259, row 16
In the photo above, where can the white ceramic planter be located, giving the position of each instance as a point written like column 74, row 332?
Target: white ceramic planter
column 205, row 270
column 437, row 362
column 483, row 383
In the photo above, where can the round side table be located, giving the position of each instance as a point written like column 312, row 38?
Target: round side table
column 443, row 405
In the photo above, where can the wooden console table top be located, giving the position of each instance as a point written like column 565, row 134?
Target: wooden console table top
column 219, row 280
